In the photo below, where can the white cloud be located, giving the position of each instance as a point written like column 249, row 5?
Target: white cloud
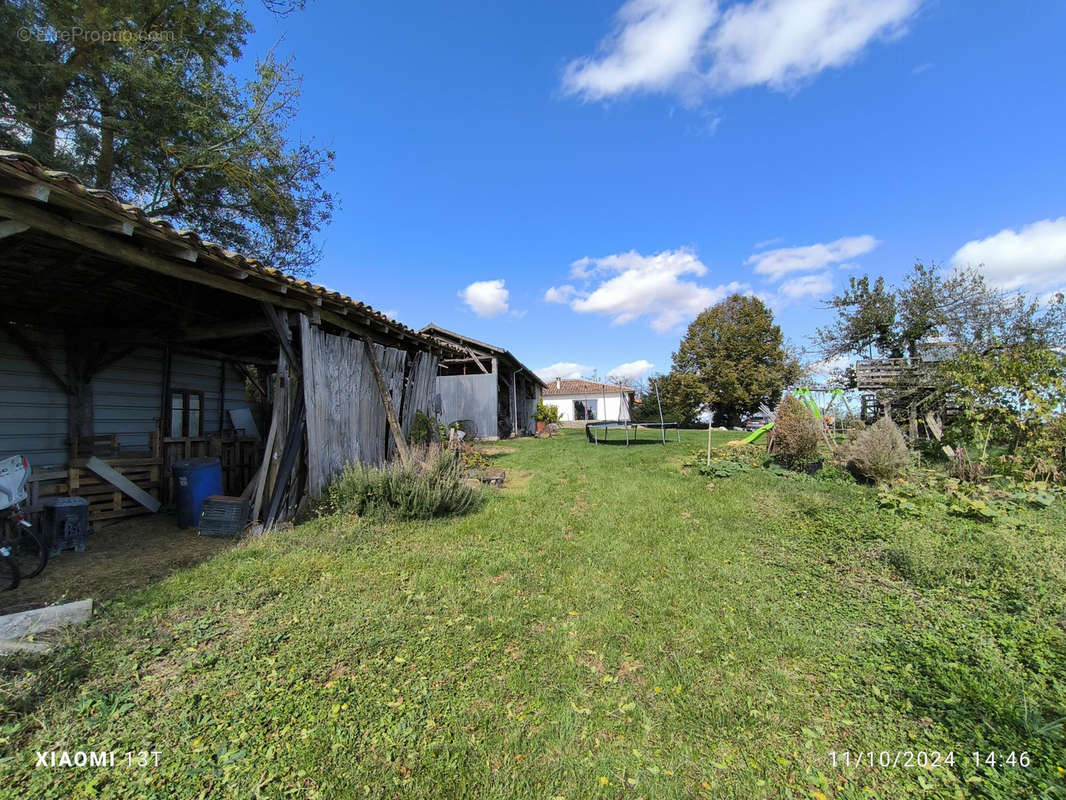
column 817, row 285
column 560, row 294
column 1034, row 256
column 486, row 298
column 655, row 42
column 632, row 285
column 781, row 43
column 829, row 366
column 784, row 260
column 564, row 369
column 631, row 370
column 686, row 45
column 768, row 242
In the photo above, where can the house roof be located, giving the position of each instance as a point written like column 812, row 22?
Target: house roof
column 451, row 337
column 60, row 201
column 566, row 386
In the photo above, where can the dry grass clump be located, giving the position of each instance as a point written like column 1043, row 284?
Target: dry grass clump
column 797, row 434
column 878, row 453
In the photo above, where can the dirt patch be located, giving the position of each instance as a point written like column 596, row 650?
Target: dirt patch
column 118, row 557
column 496, row 450
column 517, row 480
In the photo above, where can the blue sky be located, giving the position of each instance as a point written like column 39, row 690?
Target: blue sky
column 634, row 162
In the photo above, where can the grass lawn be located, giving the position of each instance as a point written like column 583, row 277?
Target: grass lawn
column 607, row 626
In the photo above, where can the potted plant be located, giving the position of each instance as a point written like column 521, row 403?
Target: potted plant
column 544, row 415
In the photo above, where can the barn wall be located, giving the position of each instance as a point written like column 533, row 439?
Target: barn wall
column 126, row 395
column 471, row 397
column 201, row 374
column 33, row 407
column 346, row 421
column 126, row 398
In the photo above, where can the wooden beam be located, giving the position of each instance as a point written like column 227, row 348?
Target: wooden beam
column 37, row 620
column 10, row 227
column 122, row 483
column 477, row 360
column 283, row 332
column 225, row 330
column 248, row 376
column 122, row 227
column 116, row 249
column 30, row 349
column 386, row 399
column 30, row 191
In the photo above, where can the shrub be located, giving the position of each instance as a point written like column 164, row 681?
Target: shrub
column 423, row 430
column 877, row 453
column 546, row 413
column 427, row 488
column 797, row 434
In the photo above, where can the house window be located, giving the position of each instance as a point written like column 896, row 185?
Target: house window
column 585, row 409
column 186, row 413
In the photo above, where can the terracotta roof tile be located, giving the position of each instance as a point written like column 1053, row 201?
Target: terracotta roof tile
column 565, row 386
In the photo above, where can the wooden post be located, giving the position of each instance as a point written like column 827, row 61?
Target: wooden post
column 386, row 399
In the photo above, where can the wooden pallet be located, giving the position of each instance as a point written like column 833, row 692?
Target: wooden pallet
column 105, row 501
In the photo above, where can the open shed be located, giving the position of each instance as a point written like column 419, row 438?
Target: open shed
column 485, row 385
column 126, row 340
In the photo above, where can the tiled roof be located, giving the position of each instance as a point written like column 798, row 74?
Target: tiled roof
column 451, row 337
column 565, row 386
column 21, row 166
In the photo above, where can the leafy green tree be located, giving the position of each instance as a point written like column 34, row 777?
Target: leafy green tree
column 935, row 305
column 1013, row 395
column 734, row 357
column 135, row 98
column 681, row 397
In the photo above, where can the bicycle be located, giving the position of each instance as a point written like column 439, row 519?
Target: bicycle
column 19, row 545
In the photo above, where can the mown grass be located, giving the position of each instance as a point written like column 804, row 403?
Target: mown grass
column 611, row 627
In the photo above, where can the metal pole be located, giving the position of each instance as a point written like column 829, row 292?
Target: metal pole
column 659, row 402
column 710, row 424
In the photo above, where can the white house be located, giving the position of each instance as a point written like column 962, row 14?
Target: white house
column 580, row 400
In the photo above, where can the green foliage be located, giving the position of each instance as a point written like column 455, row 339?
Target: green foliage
column 155, row 117
column 798, row 436
column 878, row 453
column 733, row 357
column 546, row 413
column 680, row 394
column 1013, row 395
column 985, row 500
column 424, row 430
column 434, row 487
column 934, row 304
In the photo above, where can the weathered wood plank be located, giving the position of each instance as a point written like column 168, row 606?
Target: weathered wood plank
column 122, row 483
column 25, row 623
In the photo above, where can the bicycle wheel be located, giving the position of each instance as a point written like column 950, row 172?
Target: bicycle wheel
column 28, row 550
column 9, row 572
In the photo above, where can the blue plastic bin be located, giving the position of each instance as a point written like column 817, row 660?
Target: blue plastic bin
column 195, row 479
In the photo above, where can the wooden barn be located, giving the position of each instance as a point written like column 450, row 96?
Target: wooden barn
column 129, row 342
column 486, row 386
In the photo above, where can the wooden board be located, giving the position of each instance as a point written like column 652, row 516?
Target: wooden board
column 25, row 623
column 345, row 414
column 123, row 484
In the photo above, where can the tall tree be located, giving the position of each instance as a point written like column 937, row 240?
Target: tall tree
column 737, row 357
column 934, row 305
column 134, row 97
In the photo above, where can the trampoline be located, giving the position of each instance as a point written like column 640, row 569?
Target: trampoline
column 593, row 427
column 592, row 430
